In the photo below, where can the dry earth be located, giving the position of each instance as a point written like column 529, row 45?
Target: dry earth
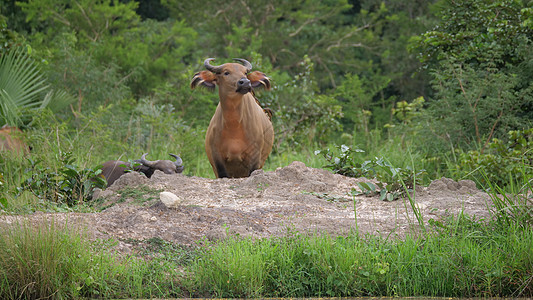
column 293, row 198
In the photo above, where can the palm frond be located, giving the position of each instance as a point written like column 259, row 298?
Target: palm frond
column 57, row 100
column 24, row 89
column 9, row 112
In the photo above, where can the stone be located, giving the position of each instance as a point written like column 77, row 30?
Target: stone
column 169, row 199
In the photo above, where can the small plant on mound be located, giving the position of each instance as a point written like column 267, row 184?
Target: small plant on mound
column 140, row 194
column 68, row 184
column 392, row 182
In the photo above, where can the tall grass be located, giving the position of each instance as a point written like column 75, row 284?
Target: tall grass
column 46, row 260
column 12, row 168
column 513, row 205
column 460, row 258
column 466, row 259
column 91, row 144
column 457, row 257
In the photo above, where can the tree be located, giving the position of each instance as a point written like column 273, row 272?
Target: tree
column 284, row 32
column 85, row 36
column 339, row 37
column 481, row 60
column 8, row 38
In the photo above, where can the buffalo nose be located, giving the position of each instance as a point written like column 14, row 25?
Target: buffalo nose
column 244, row 83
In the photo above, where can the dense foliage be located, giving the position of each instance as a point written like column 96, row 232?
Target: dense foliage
column 399, row 91
column 436, row 79
column 481, row 60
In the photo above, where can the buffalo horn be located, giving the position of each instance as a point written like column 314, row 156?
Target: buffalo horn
column 246, row 64
column 209, row 67
column 178, row 161
column 146, row 162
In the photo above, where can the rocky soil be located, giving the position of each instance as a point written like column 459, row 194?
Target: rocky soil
column 293, row 198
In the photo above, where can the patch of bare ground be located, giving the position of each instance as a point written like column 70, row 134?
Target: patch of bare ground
column 266, row 204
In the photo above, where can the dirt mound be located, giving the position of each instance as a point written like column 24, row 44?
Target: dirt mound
column 295, row 198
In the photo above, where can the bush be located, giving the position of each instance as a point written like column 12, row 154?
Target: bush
column 503, row 163
column 392, row 182
column 69, row 184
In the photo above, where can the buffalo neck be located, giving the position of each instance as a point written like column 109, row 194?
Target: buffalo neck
column 233, row 108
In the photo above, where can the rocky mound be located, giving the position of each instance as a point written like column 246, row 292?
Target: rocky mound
column 293, row 198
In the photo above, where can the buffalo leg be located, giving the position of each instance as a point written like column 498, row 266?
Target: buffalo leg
column 221, row 170
column 253, row 168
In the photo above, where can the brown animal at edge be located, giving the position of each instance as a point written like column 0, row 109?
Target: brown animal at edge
column 240, row 135
column 10, row 140
column 113, row 169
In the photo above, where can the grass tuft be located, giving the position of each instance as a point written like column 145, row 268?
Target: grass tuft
column 466, row 259
column 46, row 260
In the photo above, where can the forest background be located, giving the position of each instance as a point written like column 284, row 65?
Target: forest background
column 440, row 86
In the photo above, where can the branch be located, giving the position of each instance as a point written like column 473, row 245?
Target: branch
column 124, row 78
column 61, row 19
column 331, row 77
column 473, row 109
column 95, row 38
column 338, row 44
column 492, row 131
column 309, row 21
column 493, row 125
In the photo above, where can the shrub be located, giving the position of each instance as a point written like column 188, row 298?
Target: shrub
column 68, row 184
column 504, row 162
column 392, row 182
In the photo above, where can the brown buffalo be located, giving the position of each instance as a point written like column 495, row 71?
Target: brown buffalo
column 113, row 169
column 240, row 135
column 165, row 166
column 11, row 140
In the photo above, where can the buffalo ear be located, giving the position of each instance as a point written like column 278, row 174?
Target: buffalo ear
column 205, row 79
column 259, row 80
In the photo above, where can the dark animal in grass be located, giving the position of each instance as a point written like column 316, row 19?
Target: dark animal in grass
column 113, row 169
column 11, row 140
column 240, row 135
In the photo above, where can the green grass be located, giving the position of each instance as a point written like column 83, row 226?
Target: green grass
column 457, row 257
column 466, row 259
column 45, row 260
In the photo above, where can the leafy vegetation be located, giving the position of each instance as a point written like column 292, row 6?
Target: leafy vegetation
column 480, row 60
column 446, row 82
column 68, row 184
column 502, row 163
column 344, row 72
column 451, row 264
column 23, row 89
column 392, row 183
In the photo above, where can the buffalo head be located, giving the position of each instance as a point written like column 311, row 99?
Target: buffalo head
column 114, row 169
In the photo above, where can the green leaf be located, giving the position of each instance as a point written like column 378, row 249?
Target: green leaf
column 391, row 196
column 367, row 186
column 3, row 202
column 383, row 195
column 23, row 89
